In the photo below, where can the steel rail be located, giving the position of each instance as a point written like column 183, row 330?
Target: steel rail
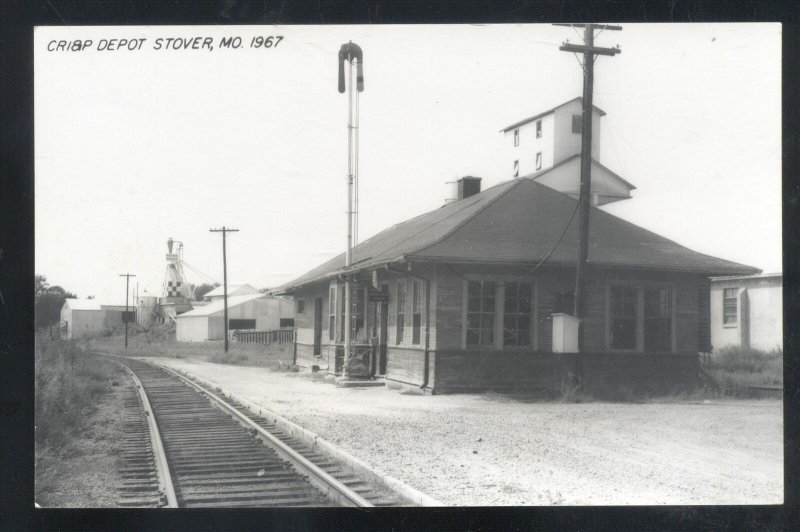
column 162, row 467
column 323, row 481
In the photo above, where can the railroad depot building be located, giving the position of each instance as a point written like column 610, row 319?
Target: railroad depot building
column 461, row 305
column 257, row 311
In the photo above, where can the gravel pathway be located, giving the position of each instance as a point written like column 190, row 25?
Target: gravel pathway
column 493, row 450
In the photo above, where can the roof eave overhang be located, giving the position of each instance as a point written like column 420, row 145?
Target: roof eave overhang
column 289, row 289
column 708, row 272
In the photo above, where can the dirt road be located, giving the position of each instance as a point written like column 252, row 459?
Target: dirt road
column 492, row 450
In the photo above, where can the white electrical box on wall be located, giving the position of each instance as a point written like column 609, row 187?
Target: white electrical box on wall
column 565, row 333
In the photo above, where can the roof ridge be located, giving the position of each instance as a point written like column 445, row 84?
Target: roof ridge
column 662, row 237
column 514, row 184
column 543, row 113
column 427, row 227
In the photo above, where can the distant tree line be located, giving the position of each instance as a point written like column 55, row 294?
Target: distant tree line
column 48, row 301
column 203, row 289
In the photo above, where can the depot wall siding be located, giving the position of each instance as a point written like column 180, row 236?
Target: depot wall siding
column 452, row 367
column 602, row 375
column 406, row 365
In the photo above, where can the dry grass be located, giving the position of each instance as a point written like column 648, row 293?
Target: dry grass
column 67, row 380
column 159, row 341
column 78, row 419
column 736, row 369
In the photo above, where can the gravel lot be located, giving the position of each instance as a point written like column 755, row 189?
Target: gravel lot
column 493, row 450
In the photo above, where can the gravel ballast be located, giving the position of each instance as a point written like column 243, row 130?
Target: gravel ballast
column 493, row 450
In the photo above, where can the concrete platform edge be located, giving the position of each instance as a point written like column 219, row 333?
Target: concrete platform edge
column 315, row 441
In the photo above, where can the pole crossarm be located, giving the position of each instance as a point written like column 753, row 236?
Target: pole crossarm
column 580, row 48
column 595, row 26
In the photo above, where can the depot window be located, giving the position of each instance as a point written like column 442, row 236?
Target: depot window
column 623, row 317
column 641, row 318
column 401, row 311
column 516, row 168
column 538, row 129
column 416, row 315
column 517, row 314
column 539, row 161
column 332, row 313
column 480, row 312
column 357, row 331
column 516, row 137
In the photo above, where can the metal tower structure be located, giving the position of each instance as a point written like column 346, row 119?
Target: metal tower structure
column 175, row 285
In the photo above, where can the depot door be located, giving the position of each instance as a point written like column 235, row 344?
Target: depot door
column 317, row 326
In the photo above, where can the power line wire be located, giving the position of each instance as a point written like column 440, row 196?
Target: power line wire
column 539, row 264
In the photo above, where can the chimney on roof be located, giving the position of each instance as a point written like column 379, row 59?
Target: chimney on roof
column 468, row 186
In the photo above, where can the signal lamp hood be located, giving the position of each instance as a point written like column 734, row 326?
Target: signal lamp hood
column 349, row 52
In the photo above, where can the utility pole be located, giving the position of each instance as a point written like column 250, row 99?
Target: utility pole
column 588, row 49
column 224, row 231
column 127, row 277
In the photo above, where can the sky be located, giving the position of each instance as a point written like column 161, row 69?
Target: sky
column 136, row 146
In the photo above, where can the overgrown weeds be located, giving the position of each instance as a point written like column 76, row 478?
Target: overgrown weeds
column 736, row 370
column 571, row 393
column 67, row 381
column 159, row 341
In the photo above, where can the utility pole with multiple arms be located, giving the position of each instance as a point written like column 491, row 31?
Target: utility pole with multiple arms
column 224, row 231
column 588, row 49
column 127, row 277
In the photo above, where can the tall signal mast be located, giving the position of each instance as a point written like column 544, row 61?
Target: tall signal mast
column 351, row 53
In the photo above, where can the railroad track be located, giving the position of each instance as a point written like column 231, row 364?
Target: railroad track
column 185, row 446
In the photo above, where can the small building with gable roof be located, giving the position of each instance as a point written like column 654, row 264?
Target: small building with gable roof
column 257, row 311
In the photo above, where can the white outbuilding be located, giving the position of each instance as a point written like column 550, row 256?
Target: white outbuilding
column 86, row 317
column 747, row 311
column 245, row 312
column 81, row 318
